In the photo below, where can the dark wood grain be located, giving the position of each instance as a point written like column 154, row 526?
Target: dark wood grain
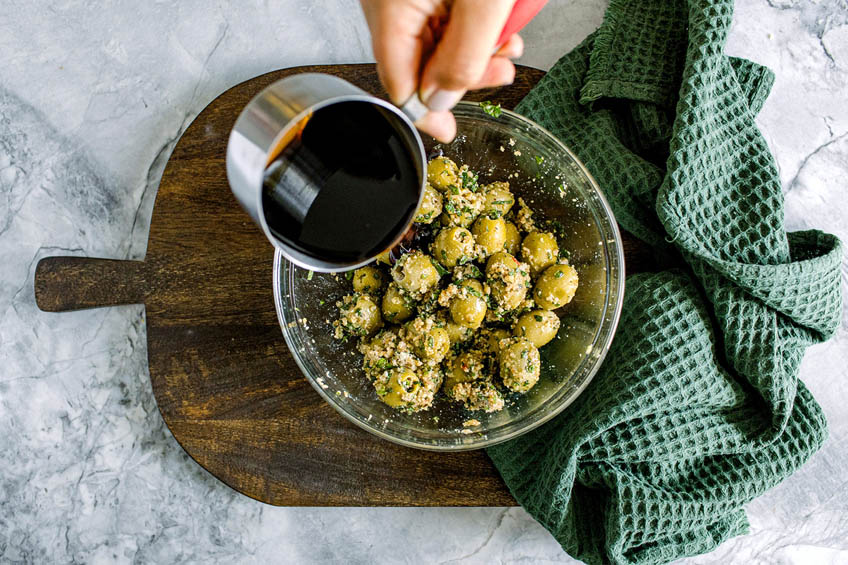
column 223, row 378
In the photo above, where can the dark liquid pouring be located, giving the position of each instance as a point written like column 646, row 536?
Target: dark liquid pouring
column 344, row 188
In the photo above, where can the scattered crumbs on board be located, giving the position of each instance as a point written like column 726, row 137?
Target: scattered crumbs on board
column 321, row 383
column 502, row 148
column 471, row 423
column 517, row 153
column 511, row 142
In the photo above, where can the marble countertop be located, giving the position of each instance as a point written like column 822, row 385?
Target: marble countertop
column 92, row 98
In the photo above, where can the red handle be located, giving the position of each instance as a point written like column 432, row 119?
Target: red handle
column 522, row 12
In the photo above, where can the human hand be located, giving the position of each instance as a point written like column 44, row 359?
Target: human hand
column 440, row 49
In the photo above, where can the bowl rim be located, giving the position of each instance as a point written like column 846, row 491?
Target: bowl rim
column 282, row 265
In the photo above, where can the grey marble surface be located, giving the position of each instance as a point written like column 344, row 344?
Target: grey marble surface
column 93, row 96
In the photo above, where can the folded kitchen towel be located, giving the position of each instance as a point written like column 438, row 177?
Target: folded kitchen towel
column 698, row 407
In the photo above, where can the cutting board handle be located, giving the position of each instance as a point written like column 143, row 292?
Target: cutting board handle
column 76, row 283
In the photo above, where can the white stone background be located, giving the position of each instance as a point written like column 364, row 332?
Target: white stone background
column 93, row 95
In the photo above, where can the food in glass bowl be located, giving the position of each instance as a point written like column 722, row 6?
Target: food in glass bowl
column 468, row 303
column 562, row 195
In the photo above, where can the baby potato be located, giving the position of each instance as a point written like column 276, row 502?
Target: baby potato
column 512, row 243
column 556, row 286
column 396, row 306
column 359, row 315
column 400, row 389
column 468, row 308
column 489, row 234
column 415, row 274
column 442, row 173
column 538, row 326
column 520, row 365
column 368, row 280
column 499, row 199
column 453, row 246
column 431, row 206
column 539, row 250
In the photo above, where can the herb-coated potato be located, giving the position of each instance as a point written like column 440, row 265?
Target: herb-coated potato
column 499, row 199
column 396, row 306
column 512, row 243
column 520, row 365
column 540, row 251
column 468, row 308
column 442, row 173
column 538, row 326
column 556, row 286
column 431, row 206
column 360, row 316
column 489, row 234
column 453, row 246
column 401, row 387
column 415, row 273
column 368, row 280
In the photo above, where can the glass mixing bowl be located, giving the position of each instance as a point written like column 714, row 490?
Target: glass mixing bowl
column 558, row 188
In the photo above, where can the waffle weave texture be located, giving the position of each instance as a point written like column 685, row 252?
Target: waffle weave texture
column 698, row 407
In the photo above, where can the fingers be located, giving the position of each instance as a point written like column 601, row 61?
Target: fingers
column 513, row 48
column 463, row 54
column 396, row 40
column 499, row 71
column 441, row 125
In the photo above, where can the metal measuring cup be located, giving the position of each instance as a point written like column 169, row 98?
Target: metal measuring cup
column 272, row 120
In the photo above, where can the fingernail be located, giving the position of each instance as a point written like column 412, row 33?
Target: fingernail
column 441, row 100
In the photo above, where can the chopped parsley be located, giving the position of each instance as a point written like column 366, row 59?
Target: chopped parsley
column 558, row 275
column 309, row 275
column 469, row 181
column 474, row 292
column 441, row 270
column 349, row 275
column 453, row 188
column 539, row 159
column 537, row 317
column 491, row 108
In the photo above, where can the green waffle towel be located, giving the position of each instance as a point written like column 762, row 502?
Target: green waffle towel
column 698, row 407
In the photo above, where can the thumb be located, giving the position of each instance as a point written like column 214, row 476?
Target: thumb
column 463, row 53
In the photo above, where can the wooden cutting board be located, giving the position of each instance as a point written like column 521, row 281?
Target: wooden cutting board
column 223, row 378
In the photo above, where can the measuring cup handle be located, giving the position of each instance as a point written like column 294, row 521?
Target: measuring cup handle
column 414, row 108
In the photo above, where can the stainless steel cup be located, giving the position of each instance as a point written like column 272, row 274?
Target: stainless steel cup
column 271, row 120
